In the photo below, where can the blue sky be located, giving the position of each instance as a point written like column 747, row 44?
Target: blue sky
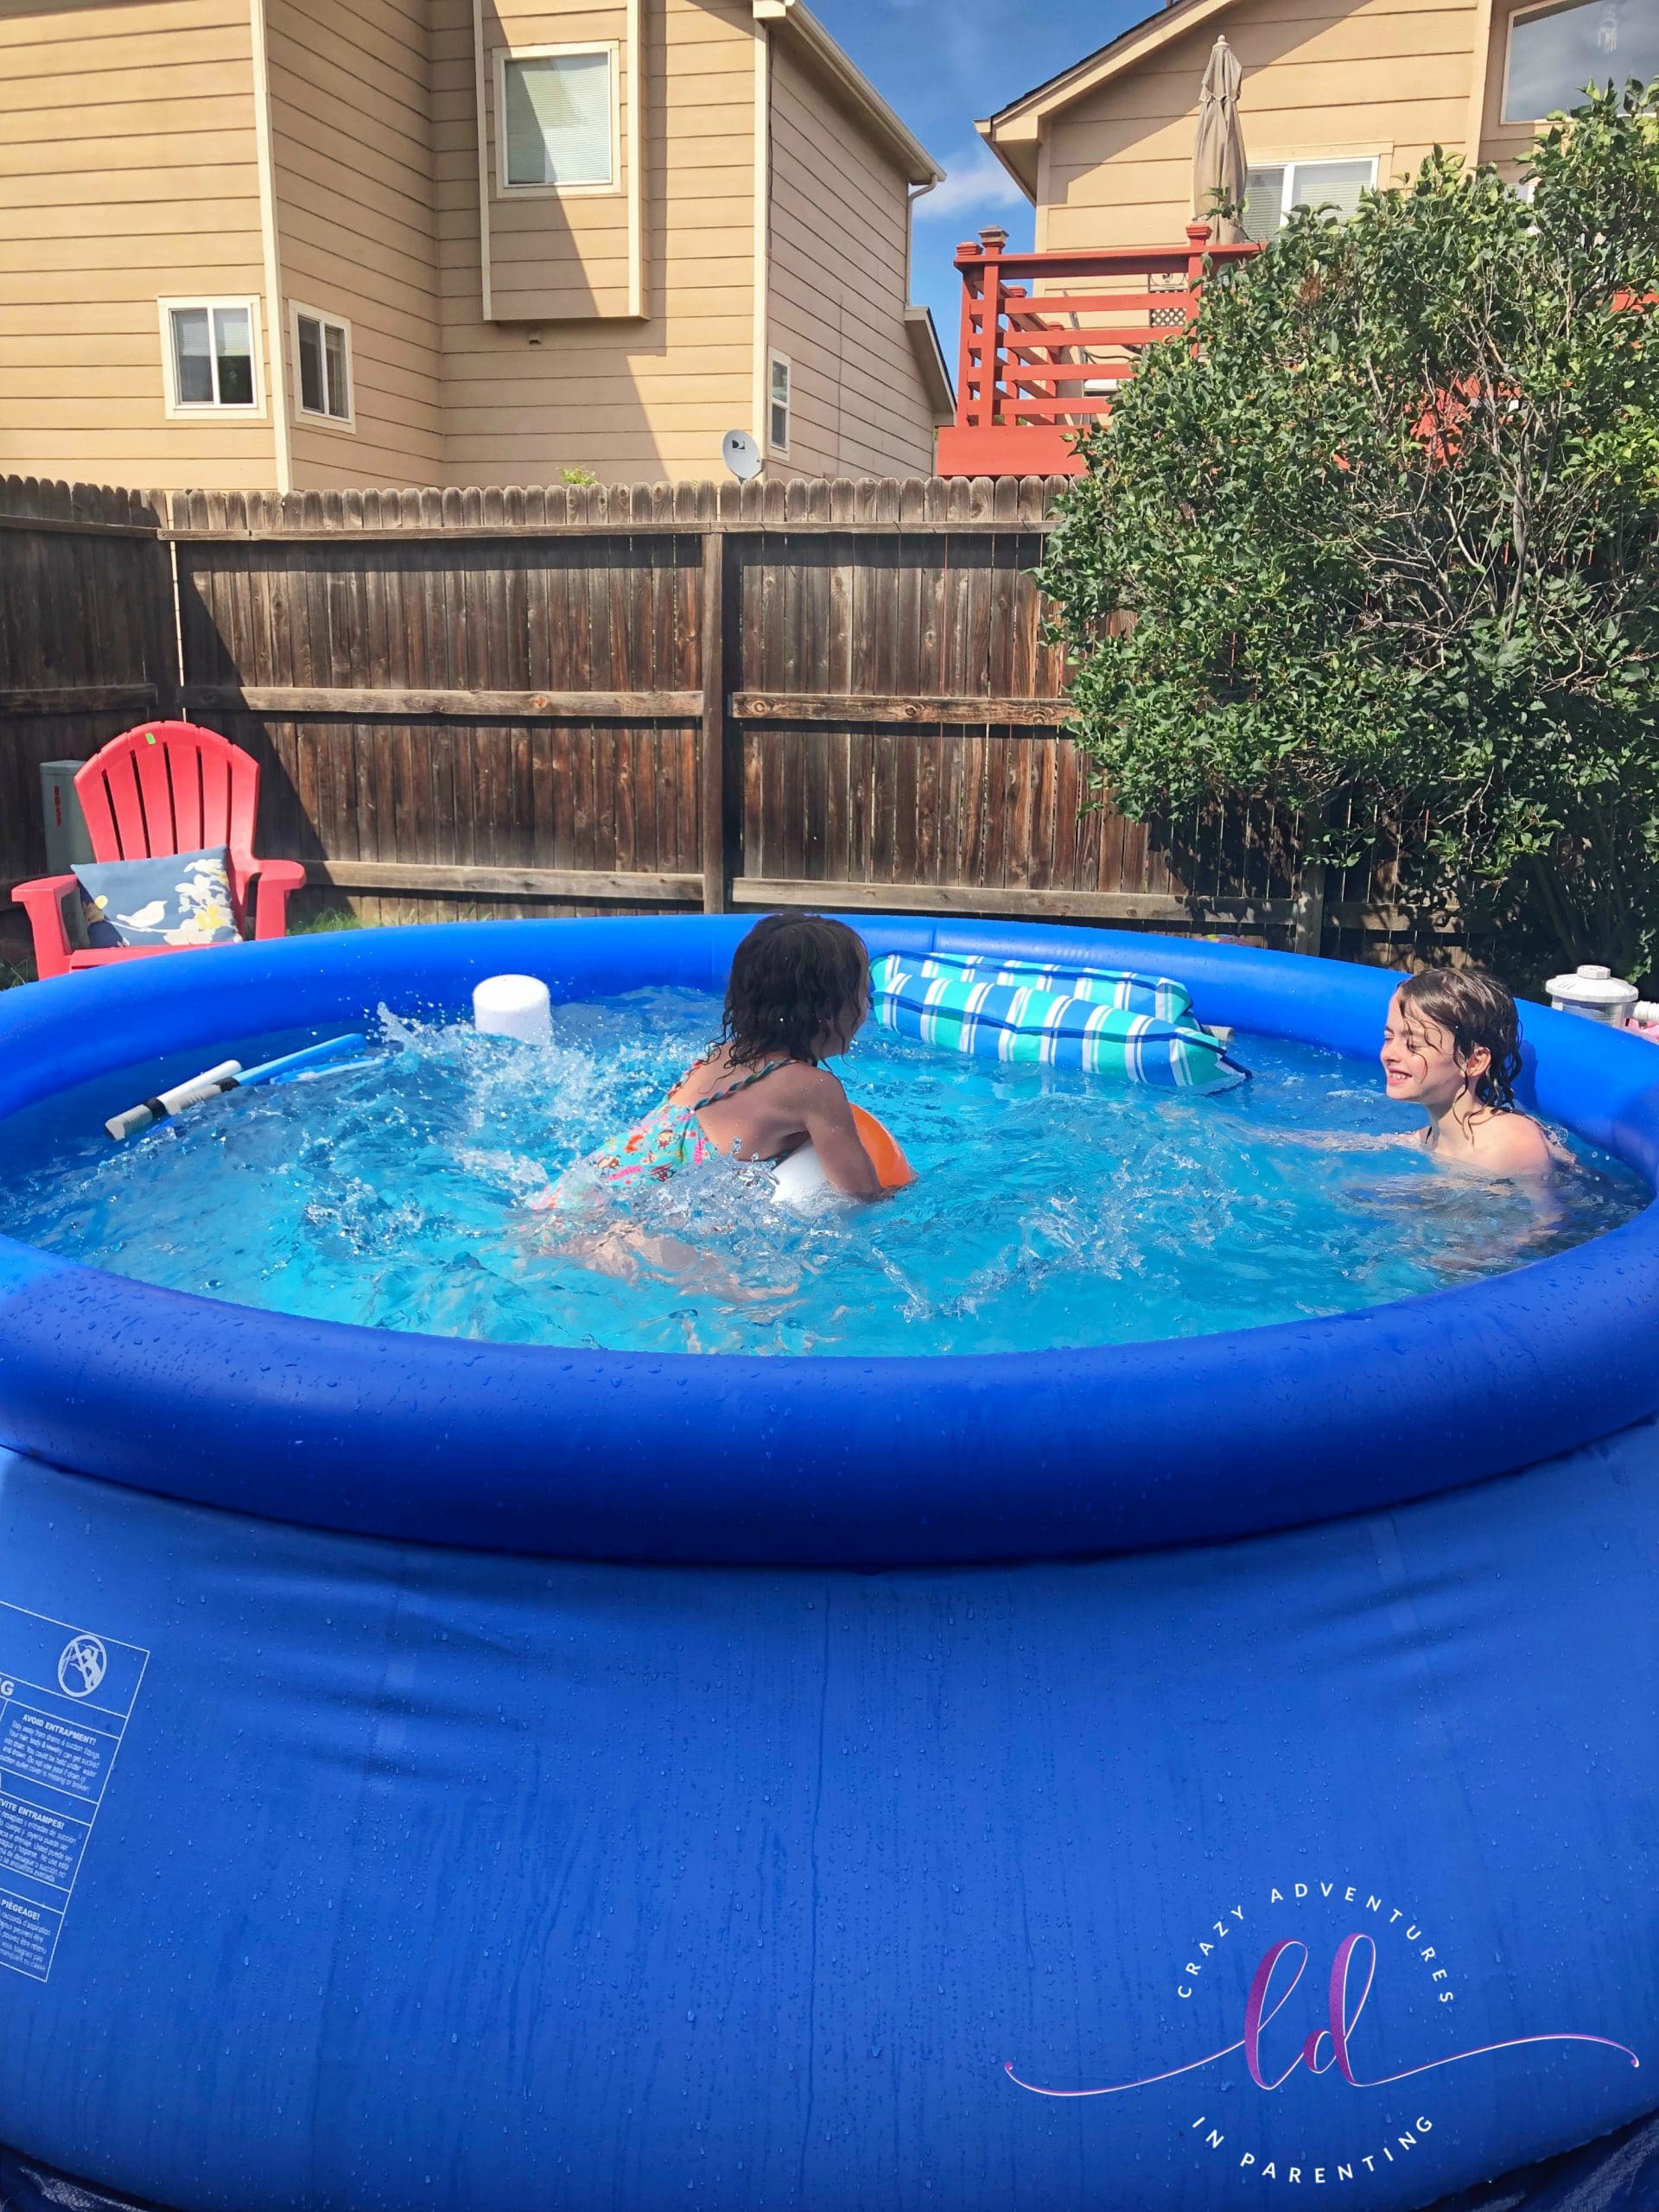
column 943, row 63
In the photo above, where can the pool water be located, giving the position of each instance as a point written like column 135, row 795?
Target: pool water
column 1052, row 1208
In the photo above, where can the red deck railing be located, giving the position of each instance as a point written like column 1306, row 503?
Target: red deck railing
column 1047, row 338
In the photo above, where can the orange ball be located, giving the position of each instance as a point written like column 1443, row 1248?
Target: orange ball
column 888, row 1161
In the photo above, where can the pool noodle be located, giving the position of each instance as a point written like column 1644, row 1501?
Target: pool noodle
column 308, row 1056
column 227, row 1075
column 165, row 1103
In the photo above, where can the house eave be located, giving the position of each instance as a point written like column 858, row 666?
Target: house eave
column 1024, row 118
column 799, row 23
column 930, row 359
column 1018, row 156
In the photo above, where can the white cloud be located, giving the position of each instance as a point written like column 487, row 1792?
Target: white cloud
column 975, row 182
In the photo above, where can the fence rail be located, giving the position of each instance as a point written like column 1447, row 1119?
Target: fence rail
column 839, row 694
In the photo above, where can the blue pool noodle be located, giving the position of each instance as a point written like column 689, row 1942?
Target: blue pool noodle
column 308, row 1056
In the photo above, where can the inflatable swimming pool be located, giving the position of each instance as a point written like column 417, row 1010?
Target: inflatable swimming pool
column 443, row 1775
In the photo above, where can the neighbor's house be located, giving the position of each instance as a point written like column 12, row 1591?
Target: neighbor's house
column 327, row 243
column 1337, row 94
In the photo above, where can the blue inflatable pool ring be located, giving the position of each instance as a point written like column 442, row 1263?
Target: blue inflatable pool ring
column 1107, row 1021
column 448, row 1777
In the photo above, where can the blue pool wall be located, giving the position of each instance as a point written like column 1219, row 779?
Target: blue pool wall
column 439, row 1881
column 868, row 1462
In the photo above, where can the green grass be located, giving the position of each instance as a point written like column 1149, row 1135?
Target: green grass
column 331, row 917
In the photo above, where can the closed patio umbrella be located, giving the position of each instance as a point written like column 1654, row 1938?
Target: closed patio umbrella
column 1218, row 150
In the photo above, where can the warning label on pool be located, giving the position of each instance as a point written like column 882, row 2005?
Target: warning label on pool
column 66, row 1697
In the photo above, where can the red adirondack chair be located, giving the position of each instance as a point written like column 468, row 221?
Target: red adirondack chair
column 164, row 787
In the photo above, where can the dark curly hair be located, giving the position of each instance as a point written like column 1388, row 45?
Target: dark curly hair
column 1473, row 1008
column 793, row 977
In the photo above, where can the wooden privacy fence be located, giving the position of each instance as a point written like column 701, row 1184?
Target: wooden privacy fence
column 835, row 693
column 86, row 640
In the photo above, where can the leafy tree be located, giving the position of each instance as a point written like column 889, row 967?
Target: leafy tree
column 1382, row 545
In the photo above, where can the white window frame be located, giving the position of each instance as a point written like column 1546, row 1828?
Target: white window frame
column 215, row 411
column 1505, row 120
column 610, row 47
column 777, row 361
column 311, row 417
column 1291, row 162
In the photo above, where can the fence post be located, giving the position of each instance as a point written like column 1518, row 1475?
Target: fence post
column 717, row 857
column 968, row 407
column 1197, row 239
column 1308, row 927
column 992, row 391
column 170, row 608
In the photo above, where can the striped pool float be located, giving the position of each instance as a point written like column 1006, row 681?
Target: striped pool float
column 1159, row 995
column 1136, row 1027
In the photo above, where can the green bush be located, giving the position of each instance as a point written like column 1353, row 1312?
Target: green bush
column 1381, row 546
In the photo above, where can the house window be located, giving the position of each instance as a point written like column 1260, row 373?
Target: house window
column 322, row 354
column 557, row 119
column 1270, row 193
column 1554, row 53
column 208, row 356
column 778, row 405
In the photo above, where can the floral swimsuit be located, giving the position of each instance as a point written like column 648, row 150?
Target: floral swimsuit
column 670, row 1138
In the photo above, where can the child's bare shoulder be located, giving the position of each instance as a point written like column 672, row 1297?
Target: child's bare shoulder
column 802, row 1080
column 1514, row 1144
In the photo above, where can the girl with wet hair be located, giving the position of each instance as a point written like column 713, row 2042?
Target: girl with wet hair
column 795, row 979
column 798, row 993
column 1452, row 1045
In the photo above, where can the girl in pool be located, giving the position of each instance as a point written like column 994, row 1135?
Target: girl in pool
column 798, row 993
column 1453, row 1046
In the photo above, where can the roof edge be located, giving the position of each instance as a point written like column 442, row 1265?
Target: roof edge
column 1011, row 156
column 1106, row 62
column 918, row 164
column 923, row 334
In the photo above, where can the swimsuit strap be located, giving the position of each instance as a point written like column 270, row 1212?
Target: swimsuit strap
column 731, row 1089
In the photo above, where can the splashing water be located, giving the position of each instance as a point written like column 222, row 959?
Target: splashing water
column 1052, row 1208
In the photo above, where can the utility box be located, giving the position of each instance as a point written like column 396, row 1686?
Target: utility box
column 67, row 840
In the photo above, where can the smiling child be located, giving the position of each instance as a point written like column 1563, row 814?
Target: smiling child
column 1453, row 1046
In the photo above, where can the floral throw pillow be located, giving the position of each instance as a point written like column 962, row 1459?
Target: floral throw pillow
column 181, row 899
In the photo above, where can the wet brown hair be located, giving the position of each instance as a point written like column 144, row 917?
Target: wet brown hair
column 1473, row 1008
column 794, row 976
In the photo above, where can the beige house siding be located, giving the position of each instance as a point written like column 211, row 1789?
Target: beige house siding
column 357, row 231
column 839, row 230
column 128, row 174
column 558, row 256
column 1388, row 78
column 339, row 157
column 640, row 400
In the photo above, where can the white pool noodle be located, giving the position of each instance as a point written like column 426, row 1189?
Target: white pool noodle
column 513, row 1005
column 207, row 1084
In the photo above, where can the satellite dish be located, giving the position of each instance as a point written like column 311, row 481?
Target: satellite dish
column 741, row 455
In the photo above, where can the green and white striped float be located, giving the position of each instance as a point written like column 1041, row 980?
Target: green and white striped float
column 1107, row 1022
